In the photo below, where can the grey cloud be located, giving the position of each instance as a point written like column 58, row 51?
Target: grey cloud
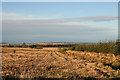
column 53, row 30
column 97, row 18
column 62, row 20
column 35, row 25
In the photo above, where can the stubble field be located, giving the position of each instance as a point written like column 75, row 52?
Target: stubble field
column 50, row 63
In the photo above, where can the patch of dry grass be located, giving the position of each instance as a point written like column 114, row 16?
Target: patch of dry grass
column 50, row 63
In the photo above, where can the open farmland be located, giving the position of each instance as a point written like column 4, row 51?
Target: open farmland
column 49, row 62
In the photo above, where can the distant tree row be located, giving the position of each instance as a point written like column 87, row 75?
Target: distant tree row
column 24, row 45
column 108, row 47
column 38, row 46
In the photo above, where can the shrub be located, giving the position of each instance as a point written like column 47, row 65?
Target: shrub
column 24, row 45
column 39, row 47
column 10, row 45
column 63, row 50
column 101, row 47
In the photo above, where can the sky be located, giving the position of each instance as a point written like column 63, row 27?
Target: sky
column 33, row 22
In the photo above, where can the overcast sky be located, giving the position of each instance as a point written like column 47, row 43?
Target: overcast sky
column 59, row 21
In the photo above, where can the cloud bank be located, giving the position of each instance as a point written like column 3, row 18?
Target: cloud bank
column 31, row 29
column 13, row 16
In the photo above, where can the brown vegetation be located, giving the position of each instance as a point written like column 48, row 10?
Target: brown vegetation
column 50, row 63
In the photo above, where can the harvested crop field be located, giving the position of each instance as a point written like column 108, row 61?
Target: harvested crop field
column 50, row 63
